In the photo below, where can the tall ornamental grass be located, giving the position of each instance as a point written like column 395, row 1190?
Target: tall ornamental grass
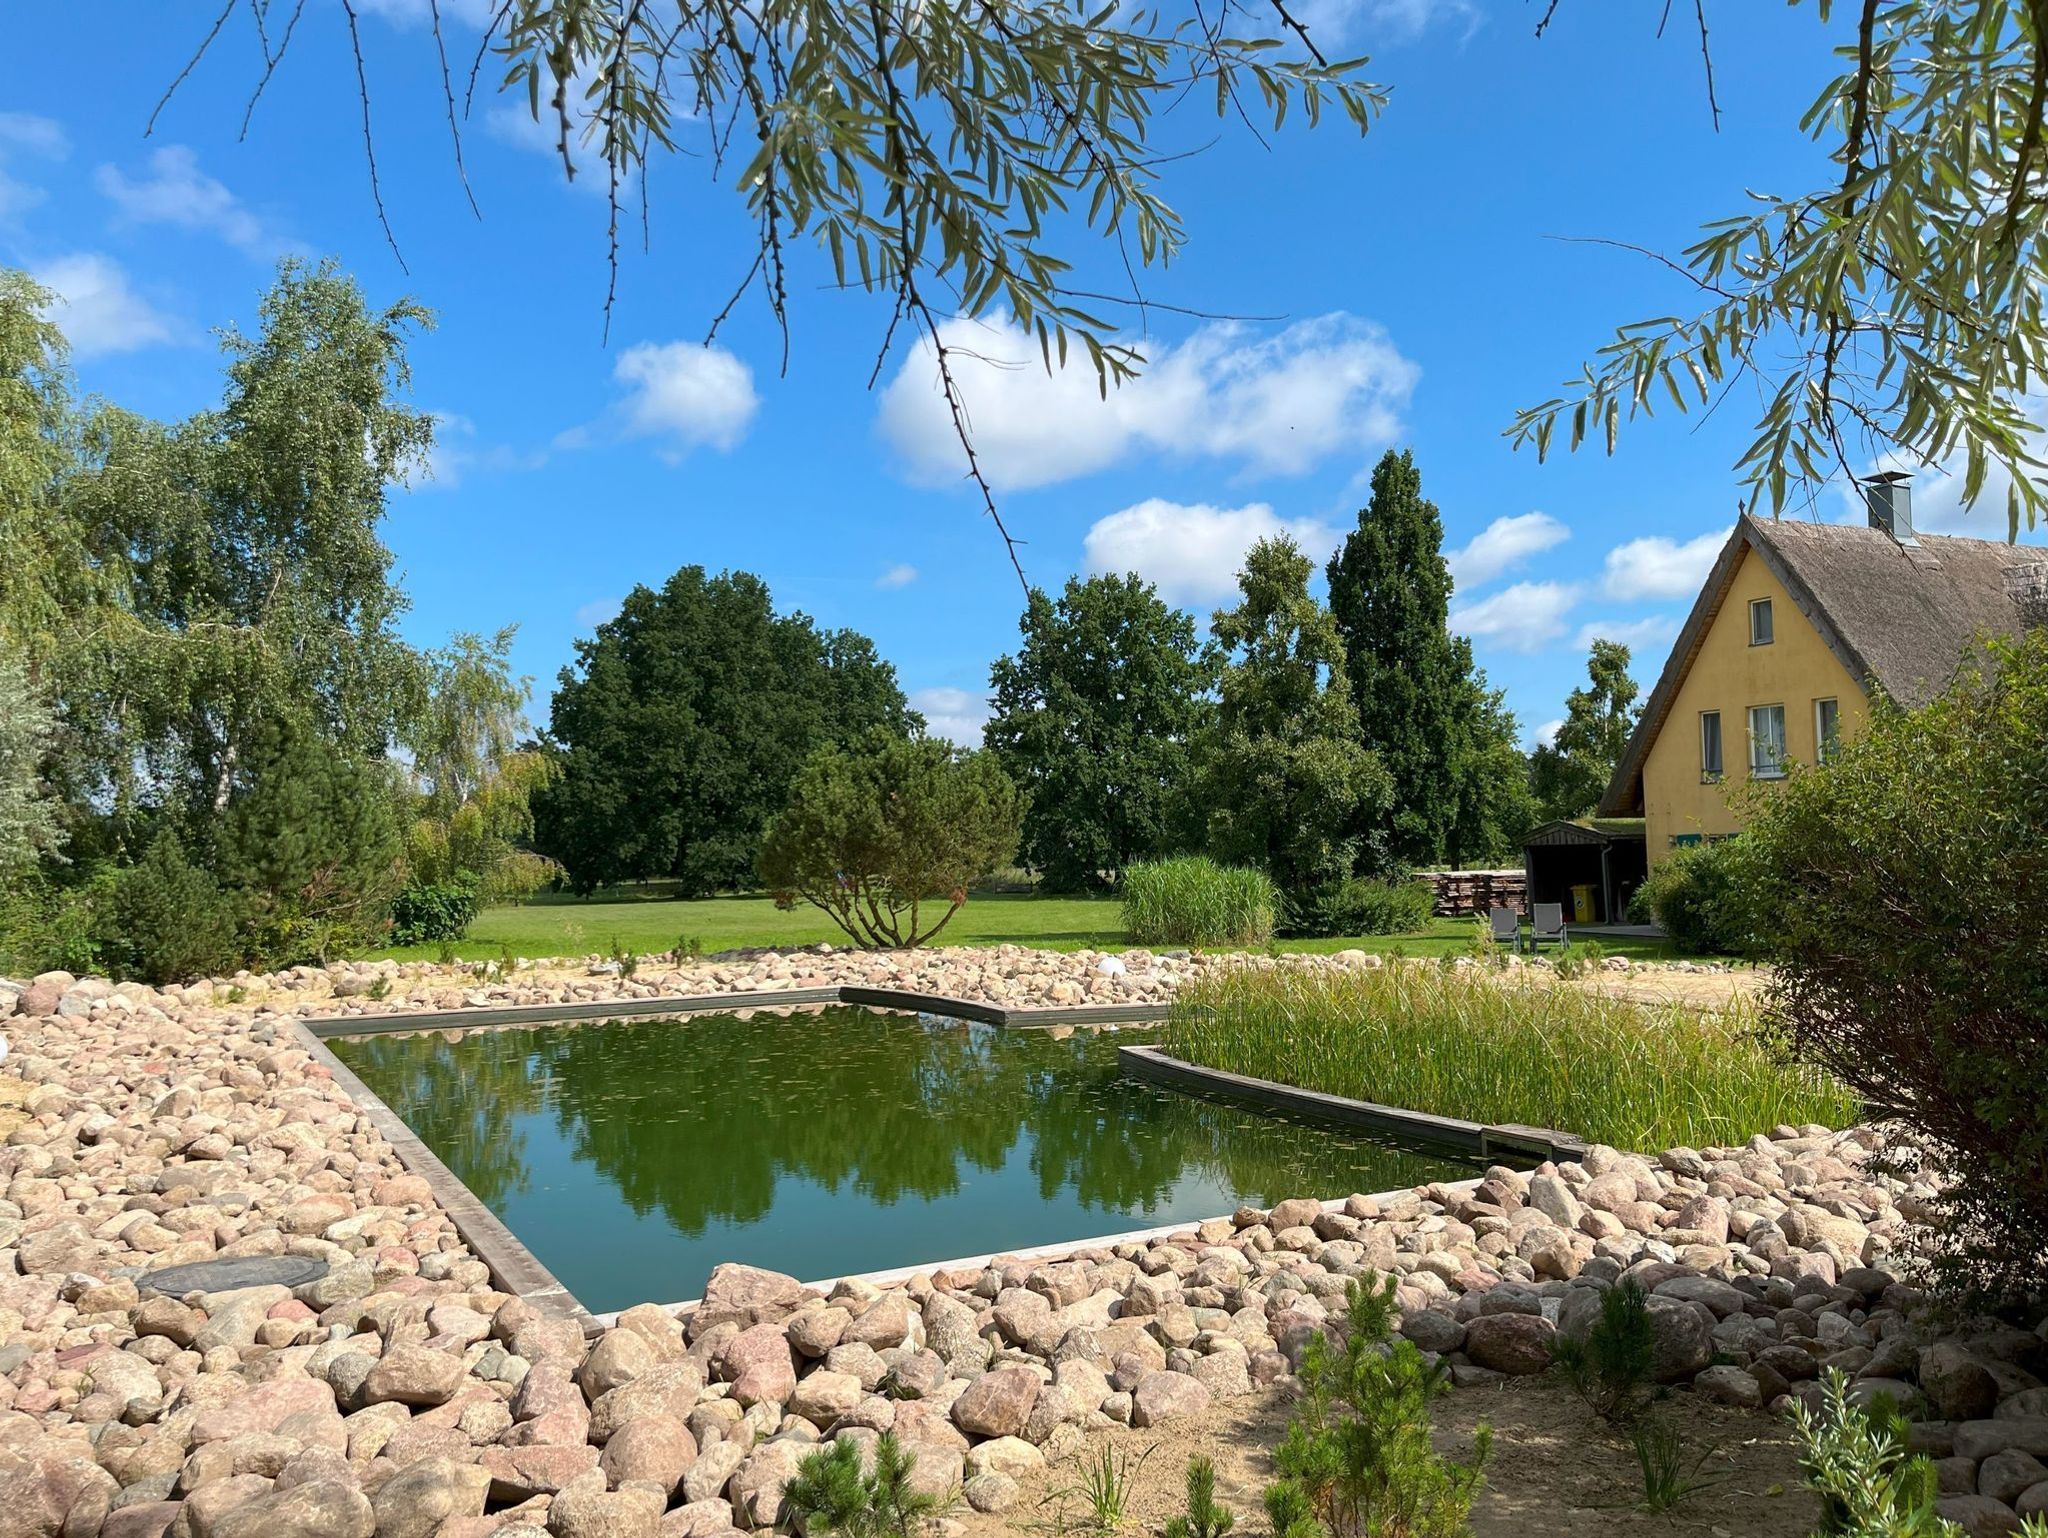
column 1464, row 1043
column 1194, row 901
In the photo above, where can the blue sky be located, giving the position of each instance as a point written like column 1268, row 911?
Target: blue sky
column 1413, row 285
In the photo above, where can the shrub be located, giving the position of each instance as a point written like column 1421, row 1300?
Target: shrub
column 1194, row 901
column 1611, row 1367
column 1204, row 1517
column 422, row 913
column 1362, row 906
column 830, row 1495
column 310, row 850
column 166, row 920
column 1463, row 1042
column 1905, row 883
column 880, row 834
column 1702, row 895
column 1857, row 1462
column 1357, row 1450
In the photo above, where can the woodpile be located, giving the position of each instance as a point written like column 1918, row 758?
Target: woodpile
column 1460, row 893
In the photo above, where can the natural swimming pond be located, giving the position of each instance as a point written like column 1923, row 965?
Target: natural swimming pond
column 633, row 1156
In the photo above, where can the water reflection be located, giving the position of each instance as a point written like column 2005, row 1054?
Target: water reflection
column 835, row 1141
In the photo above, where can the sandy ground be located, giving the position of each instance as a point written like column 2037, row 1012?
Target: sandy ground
column 1555, row 1469
column 1703, row 990
column 14, row 1094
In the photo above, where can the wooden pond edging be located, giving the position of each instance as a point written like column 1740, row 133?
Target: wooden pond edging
column 1477, row 1139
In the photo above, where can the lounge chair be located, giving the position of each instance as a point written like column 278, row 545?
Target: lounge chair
column 1507, row 926
column 1546, row 926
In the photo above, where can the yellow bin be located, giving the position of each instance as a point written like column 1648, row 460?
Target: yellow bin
column 1582, row 905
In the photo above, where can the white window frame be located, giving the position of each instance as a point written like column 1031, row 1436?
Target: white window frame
column 1758, row 769
column 1712, row 774
column 1825, row 743
column 1763, row 606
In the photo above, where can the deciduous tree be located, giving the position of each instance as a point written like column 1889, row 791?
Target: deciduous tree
column 1093, row 718
column 1570, row 772
column 685, row 719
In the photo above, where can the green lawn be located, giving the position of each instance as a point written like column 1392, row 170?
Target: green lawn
column 645, row 920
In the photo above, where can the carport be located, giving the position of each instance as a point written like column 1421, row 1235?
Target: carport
column 1607, row 854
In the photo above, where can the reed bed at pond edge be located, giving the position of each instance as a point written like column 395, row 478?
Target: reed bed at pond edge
column 1462, row 1042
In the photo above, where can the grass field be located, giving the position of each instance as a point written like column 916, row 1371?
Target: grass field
column 645, row 920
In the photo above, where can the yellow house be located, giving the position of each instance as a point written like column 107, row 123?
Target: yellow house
column 1796, row 627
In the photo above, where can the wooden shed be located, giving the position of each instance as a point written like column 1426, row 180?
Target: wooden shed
column 1606, row 854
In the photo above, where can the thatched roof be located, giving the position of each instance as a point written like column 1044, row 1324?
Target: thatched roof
column 1900, row 617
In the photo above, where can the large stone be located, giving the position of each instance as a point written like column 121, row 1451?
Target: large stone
column 997, row 1404
column 321, row 1508
column 2006, row 1476
column 617, row 1357
column 1960, row 1387
column 654, row 1448
column 822, row 1397
column 669, row 1390
column 413, row 1375
column 756, row 1490
column 1162, row 1398
column 1978, row 1515
column 416, row 1500
column 760, row 1365
column 520, row 1473
column 1516, row 1344
column 587, row 1510
column 735, row 1289
column 1549, row 1195
column 891, row 1320
column 1681, row 1339
column 1433, row 1331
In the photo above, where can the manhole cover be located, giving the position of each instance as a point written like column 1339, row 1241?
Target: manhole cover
column 232, row 1275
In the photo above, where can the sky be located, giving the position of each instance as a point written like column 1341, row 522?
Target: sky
column 1408, row 289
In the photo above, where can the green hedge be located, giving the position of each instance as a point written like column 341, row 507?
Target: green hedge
column 1363, row 907
column 421, row 915
column 1194, row 901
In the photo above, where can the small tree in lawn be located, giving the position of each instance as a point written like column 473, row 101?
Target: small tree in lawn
column 886, row 833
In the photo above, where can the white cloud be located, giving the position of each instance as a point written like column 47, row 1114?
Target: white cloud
column 1645, row 638
column 24, row 136
column 456, row 454
column 420, row 13
column 683, row 395
column 1279, row 404
column 958, row 715
column 1527, row 617
column 900, row 575
column 1547, row 732
column 1503, row 545
column 596, row 612
column 1657, row 567
column 1192, row 551
column 98, row 311
column 175, row 191
column 1333, row 22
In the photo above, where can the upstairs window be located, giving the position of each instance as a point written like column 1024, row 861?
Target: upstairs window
column 1760, row 631
column 1767, row 742
column 1710, row 746
column 1827, row 729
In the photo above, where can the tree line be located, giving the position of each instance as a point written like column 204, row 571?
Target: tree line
column 217, row 750
column 1321, row 741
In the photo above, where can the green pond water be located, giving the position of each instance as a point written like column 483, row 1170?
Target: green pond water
column 633, row 1156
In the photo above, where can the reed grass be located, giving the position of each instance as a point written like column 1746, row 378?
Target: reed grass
column 1470, row 1044
column 1194, row 901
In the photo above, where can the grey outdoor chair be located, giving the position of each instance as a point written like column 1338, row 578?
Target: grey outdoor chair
column 1546, row 926
column 1507, row 926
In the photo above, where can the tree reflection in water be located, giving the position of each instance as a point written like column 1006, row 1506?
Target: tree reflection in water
column 715, row 1123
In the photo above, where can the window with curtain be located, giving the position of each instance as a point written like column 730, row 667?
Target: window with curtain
column 1710, row 745
column 1767, row 742
column 1827, row 728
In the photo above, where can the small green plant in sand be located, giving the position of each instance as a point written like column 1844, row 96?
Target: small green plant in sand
column 833, row 1497
column 1204, row 1518
column 1357, row 1453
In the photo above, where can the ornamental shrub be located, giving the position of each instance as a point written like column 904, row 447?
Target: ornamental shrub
column 423, row 912
column 887, row 836
column 1901, row 891
column 1192, row 900
column 1362, row 906
column 1699, row 895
